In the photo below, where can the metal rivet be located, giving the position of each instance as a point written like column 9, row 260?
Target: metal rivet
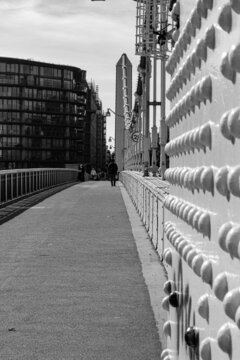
column 233, row 241
column 197, row 177
column 167, row 354
column 203, row 306
column 197, row 264
column 206, row 88
column 224, row 127
column 191, row 255
column 207, row 179
column 186, row 250
column 224, row 338
column 168, row 287
column 204, row 224
column 195, row 19
column 185, row 212
column 221, row 181
column 226, row 69
column 234, row 57
column 205, row 349
column 232, row 302
column 237, row 317
column 168, row 256
column 222, row 235
column 206, row 135
column 167, row 328
column 165, row 303
column 190, row 29
column 234, row 122
column 201, row 50
column 233, row 181
column 182, row 245
column 235, row 5
column 225, row 18
column 208, row 4
column 207, row 272
column 220, row 286
column 202, row 9
column 210, row 37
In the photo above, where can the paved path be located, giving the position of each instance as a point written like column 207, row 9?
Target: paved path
column 71, row 283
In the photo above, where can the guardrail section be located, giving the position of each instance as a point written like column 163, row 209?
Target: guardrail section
column 17, row 183
column 148, row 195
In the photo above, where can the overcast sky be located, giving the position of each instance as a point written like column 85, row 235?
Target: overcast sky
column 91, row 35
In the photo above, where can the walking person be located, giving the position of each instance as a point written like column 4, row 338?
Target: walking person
column 112, row 172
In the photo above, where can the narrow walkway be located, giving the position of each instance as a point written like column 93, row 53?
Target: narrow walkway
column 71, row 281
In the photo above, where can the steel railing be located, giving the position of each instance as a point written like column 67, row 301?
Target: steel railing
column 18, row 183
column 148, row 195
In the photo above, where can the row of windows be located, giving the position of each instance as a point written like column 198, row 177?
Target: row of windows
column 31, row 143
column 7, row 91
column 36, row 81
column 31, row 155
column 33, row 118
column 48, row 107
column 35, row 70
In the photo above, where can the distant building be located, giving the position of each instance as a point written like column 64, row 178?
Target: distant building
column 120, row 132
column 43, row 114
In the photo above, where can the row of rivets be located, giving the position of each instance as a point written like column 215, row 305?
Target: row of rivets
column 226, row 179
column 225, row 290
column 223, row 283
column 200, row 264
column 198, row 218
column 201, row 92
column 230, row 124
column 192, row 178
column 224, row 341
column 231, row 304
column 189, row 31
column 193, row 61
column 229, row 238
column 199, row 138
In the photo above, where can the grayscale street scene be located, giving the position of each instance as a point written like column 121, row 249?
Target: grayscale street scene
column 119, row 180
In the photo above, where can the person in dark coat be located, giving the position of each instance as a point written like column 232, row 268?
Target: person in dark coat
column 112, row 172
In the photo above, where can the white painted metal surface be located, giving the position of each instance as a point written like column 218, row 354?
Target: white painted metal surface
column 202, row 225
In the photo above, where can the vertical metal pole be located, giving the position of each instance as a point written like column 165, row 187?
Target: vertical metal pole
column 146, row 116
column 163, row 127
column 154, row 127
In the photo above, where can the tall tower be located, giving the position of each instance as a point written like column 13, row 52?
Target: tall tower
column 120, row 131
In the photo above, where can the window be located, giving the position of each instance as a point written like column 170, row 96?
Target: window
column 2, row 67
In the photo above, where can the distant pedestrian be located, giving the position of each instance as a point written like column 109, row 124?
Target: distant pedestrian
column 112, row 172
column 93, row 174
column 81, row 172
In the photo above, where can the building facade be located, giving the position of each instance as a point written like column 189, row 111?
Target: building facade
column 43, row 114
column 121, row 134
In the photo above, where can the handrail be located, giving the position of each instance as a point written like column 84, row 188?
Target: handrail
column 17, row 183
column 148, row 195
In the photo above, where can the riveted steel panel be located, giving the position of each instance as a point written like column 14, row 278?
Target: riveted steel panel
column 202, row 226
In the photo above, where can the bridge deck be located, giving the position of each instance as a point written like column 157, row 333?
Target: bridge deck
column 71, row 281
